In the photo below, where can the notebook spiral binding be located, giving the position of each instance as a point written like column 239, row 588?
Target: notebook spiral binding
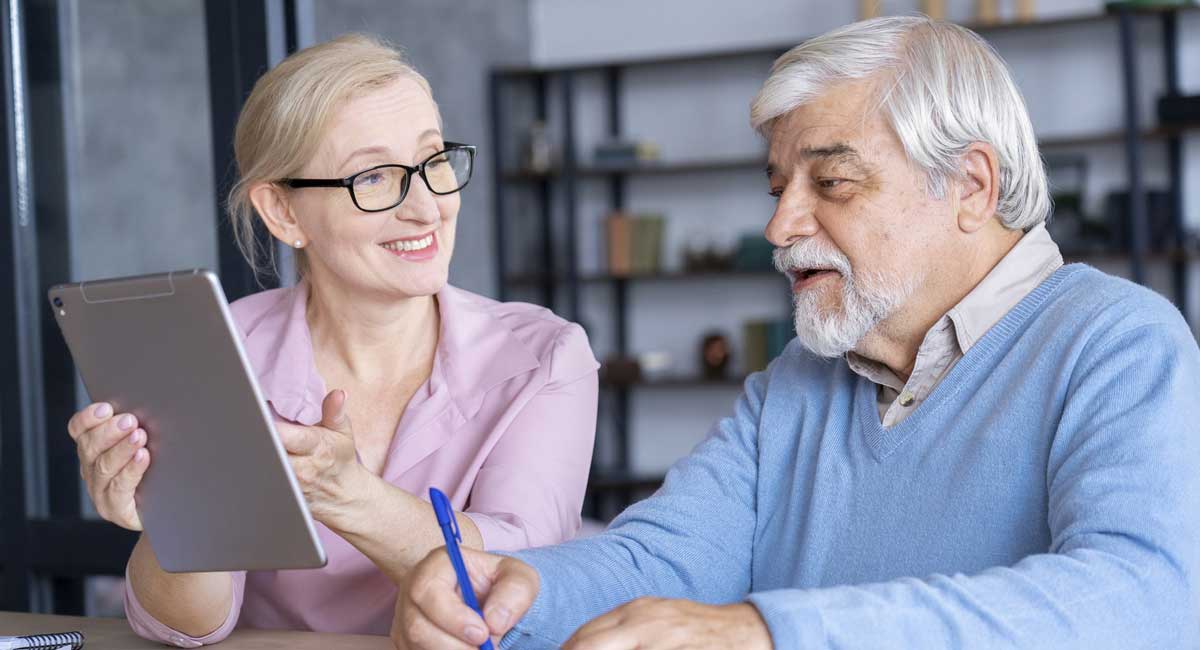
column 72, row 640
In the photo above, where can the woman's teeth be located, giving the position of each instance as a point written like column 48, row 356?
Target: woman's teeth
column 410, row 245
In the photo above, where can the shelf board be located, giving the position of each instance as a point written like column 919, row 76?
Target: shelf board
column 1115, row 136
column 717, row 165
column 535, row 279
column 1100, row 256
column 648, row 168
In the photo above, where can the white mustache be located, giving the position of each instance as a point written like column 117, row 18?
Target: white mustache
column 811, row 254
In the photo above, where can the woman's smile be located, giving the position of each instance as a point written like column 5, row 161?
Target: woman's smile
column 418, row 249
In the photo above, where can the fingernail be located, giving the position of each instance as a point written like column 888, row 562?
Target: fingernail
column 126, row 422
column 137, row 436
column 102, row 410
column 140, row 456
column 475, row 634
column 498, row 616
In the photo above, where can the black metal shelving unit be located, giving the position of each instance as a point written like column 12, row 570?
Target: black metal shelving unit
column 611, row 487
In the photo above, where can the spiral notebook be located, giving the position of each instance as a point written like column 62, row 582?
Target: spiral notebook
column 62, row 641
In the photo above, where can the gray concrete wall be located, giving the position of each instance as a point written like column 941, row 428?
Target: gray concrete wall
column 454, row 44
column 142, row 162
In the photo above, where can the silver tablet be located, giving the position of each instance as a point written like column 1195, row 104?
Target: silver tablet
column 219, row 494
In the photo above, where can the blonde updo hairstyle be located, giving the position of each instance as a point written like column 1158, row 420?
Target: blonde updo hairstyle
column 285, row 118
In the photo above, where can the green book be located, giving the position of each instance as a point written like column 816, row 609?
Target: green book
column 754, row 346
column 639, row 251
column 647, row 244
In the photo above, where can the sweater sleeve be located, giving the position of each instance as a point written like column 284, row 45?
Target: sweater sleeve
column 704, row 512
column 1124, row 515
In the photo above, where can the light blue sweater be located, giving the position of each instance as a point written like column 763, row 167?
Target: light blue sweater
column 1046, row 495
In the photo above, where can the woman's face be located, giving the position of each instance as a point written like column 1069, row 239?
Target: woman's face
column 366, row 251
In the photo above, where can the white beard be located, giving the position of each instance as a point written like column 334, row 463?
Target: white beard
column 867, row 299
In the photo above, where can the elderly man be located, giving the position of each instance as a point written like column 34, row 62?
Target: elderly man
column 970, row 445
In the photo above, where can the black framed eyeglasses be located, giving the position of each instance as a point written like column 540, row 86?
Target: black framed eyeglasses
column 384, row 187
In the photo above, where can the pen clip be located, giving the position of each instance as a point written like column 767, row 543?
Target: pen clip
column 454, row 527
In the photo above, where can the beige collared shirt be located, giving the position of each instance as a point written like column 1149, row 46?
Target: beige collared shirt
column 1031, row 261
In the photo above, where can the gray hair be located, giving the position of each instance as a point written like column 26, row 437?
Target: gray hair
column 943, row 88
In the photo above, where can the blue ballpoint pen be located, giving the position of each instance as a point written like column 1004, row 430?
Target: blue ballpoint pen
column 450, row 531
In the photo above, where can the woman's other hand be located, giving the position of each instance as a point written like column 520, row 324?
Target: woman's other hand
column 112, row 460
column 325, row 461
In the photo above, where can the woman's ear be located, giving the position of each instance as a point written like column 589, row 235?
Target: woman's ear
column 272, row 204
column 978, row 186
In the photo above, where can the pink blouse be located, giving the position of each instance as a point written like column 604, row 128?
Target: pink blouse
column 504, row 426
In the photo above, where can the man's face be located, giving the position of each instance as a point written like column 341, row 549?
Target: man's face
column 854, row 227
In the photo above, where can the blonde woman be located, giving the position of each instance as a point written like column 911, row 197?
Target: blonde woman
column 384, row 379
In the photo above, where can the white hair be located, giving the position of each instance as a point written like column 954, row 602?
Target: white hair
column 942, row 88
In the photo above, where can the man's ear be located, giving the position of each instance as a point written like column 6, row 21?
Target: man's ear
column 978, row 186
column 272, row 204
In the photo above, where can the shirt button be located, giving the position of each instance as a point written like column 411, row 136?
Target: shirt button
column 906, row 399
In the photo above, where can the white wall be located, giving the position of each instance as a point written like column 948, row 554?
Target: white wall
column 1070, row 76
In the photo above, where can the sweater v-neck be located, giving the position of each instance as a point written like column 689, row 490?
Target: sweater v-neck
column 883, row 441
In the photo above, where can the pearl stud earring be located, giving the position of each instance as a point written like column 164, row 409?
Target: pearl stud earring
column 298, row 244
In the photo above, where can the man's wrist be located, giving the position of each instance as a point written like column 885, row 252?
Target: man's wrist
column 757, row 634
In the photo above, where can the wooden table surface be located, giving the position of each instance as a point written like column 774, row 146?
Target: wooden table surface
column 114, row 634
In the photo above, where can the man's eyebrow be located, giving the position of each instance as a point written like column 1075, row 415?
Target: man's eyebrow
column 837, row 152
column 840, row 152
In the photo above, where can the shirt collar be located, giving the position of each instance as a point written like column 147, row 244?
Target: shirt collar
column 1028, row 264
column 475, row 353
column 1033, row 259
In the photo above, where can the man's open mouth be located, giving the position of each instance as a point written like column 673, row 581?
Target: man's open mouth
column 804, row 277
column 804, row 274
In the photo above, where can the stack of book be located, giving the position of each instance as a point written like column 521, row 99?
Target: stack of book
column 634, row 243
column 625, row 153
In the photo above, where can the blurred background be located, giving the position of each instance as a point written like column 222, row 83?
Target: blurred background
column 618, row 182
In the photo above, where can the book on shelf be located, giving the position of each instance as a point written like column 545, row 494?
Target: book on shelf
column 647, row 243
column 618, row 227
column 634, row 243
column 622, row 153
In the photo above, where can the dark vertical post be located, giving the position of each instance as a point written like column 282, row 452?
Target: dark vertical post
column 238, row 53
column 1179, row 261
column 498, row 186
column 46, row 49
column 291, row 36
column 612, row 82
column 570, row 166
column 549, row 280
column 20, row 399
column 1133, row 144
column 622, row 396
